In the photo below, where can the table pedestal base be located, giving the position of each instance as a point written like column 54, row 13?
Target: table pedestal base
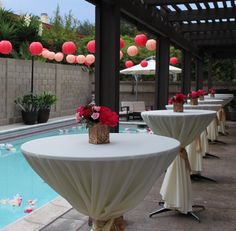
column 208, row 155
column 117, row 225
column 163, row 210
column 216, row 142
column 200, row 177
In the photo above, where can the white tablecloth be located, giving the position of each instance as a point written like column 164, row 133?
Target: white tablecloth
column 211, row 101
column 102, row 181
column 197, row 149
column 184, row 126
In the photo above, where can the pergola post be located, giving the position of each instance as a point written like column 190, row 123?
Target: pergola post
column 209, row 82
column 199, row 74
column 186, row 72
column 162, row 73
column 107, row 55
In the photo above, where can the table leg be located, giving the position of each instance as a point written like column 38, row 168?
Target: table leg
column 207, row 155
column 200, row 177
column 216, row 142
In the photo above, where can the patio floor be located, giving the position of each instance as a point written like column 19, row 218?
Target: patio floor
column 218, row 198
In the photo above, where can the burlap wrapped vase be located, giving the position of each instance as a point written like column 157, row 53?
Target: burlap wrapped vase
column 178, row 107
column 194, row 101
column 99, row 134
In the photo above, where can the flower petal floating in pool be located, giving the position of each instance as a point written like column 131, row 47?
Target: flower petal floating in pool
column 28, row 209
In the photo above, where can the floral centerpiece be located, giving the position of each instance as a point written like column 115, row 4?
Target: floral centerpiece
column 98, row 119
column 201, row 93
column 193, row 96
column 177, row 101
column 212, row 92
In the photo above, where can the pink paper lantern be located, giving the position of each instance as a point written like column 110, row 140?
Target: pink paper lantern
column 80, row 59
column 59, row 56
column 70, row 58
column 68, row 48
column 129, row 63
column 45, row 53
column 36, row 48
column 121, row 55
column 51, row 55
column 132, row 51
column 5, row 47
column 122, row 43
column 173, row 60
column 90, row 59
column 91, row 46
column 140, row 40
column 151, row 44
column 144, row 63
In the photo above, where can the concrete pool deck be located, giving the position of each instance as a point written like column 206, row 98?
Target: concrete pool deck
column 218, row 198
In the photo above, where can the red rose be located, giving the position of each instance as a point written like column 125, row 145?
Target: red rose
column 193, row 95
column 107, row 117
column 170, row 101
column 179, row 98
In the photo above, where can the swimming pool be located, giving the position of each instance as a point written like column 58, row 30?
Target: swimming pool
column 21, row 189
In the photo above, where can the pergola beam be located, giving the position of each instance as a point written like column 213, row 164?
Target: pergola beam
column 192, row 15
column 154, row 23
column 212, row 36
column 208, row 27
column 221, row 42
column 171, row 2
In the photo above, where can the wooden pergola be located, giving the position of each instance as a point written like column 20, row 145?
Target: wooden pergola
column 199, row 28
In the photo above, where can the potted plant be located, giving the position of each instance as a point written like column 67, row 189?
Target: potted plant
column 29, row 108
column 46, row 100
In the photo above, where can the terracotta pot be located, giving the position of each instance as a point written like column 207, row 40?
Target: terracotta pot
column 178, row 107
column 99, row 134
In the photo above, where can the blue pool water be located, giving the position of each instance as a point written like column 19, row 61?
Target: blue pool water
column 18, row 180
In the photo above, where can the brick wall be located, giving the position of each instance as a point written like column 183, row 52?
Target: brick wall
column 69, row 83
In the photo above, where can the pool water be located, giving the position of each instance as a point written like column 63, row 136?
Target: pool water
column 21, row 189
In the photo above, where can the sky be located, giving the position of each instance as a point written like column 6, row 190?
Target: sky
column 81, row 9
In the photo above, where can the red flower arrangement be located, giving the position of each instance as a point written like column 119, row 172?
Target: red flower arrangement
column 193, row 95
column 201, row 92
column 92, row 115
column 212, row 91
column 178, row 98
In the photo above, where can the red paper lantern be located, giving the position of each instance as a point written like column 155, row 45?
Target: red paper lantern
column 80, row 59
column 121, row 54
column 59, row 56
column 140, row 40
column 36, row 48
column 173, row 60
column 122, row 43
column 5, row 47
column 151, row 44
column 70, row 58
column 144, row 63
column 68, row 48
column 91, row 46
column 129, row 63
column 90, row 59
column 132, row 51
